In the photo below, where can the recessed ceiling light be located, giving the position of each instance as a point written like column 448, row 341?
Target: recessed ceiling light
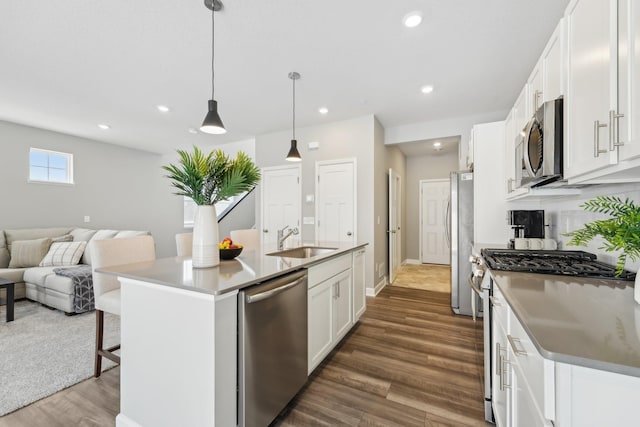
column 412, row 19
column 104, row 126
column 426, row 89
column 323, row 110
column 163, row 108
column 192, row 131
column 437, row 144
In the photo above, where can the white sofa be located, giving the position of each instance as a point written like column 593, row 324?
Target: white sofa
column 41, row 283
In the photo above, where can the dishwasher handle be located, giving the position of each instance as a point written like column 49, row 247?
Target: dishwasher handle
column 272, row 292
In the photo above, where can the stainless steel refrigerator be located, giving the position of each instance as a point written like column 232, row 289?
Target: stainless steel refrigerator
column 460, row 230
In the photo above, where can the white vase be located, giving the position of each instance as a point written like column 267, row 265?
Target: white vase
column 205, row 252
column 636, row 291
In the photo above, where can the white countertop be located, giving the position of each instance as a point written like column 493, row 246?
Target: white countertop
column 588, row 322
column 249, row 268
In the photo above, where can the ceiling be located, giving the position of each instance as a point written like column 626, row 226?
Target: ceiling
column 425, row 147
column 69, row 65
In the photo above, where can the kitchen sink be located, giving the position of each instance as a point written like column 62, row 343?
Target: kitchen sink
column 303, row 252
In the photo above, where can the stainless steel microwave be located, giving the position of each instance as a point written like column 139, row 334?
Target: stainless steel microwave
column 542, row 146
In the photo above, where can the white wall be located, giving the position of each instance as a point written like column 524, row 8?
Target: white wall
column 433, row 166
column 442, row 128
column 337, row 140
column 117, row 187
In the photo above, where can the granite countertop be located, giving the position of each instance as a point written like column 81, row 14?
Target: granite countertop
column 587, row 322
column 249, row 268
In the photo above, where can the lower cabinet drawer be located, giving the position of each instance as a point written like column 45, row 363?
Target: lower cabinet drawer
column 538, row 372
column 327, row 269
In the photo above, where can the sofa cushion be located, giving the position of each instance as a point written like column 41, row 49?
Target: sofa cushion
column 13, row 274
column 130, row 233
column 63, row 238
column 63, row 253
column 82, row 234
column 28, row 253
column 4, row 251
column 99, row 235
column 33, row 233
column 60, row 284
column 37, row 275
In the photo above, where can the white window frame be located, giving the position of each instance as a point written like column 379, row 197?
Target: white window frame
column 68, row 169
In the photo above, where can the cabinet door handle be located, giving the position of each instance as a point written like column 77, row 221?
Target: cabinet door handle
column 505, row 370
column 614, row 130
column 596, row 138
column 499, row 365
column 513, row 341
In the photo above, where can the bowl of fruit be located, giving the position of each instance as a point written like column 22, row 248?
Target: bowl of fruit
column 228, row 249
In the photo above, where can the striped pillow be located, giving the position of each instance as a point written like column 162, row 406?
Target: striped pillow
column 64, row 253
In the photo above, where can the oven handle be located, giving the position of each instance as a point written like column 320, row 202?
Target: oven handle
column 475, row 287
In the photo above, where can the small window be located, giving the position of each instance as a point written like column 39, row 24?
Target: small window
column 221, row 208
column 50, row 166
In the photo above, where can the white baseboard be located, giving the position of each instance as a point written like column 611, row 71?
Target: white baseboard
column 412, row 261
column 124, row 421
column 375, row 291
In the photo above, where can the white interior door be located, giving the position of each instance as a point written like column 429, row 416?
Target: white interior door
column 434, row 196
column 281, row 197
column 336, row 201
column 395, row 215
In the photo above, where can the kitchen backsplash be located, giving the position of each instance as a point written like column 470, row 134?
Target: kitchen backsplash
column 565, row 215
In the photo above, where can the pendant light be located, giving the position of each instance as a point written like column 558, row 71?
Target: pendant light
column 212, row 122
column 294, row 155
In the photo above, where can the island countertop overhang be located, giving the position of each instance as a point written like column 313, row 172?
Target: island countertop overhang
column 248, row 269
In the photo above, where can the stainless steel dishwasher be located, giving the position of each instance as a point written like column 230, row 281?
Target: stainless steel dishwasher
column 272, row 347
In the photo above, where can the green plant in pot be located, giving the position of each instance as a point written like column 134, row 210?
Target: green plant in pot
column 620, row 232
column 208, row 179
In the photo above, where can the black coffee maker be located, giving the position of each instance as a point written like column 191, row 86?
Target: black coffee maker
column 526, row 224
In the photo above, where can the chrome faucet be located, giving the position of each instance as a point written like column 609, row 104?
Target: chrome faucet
column 282, row 237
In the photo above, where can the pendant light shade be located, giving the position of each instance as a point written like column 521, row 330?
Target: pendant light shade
column 212, row 122
column 294, row 154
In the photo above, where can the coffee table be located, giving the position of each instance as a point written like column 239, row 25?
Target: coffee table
column 9, row 286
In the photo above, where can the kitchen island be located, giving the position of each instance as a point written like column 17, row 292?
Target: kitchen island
column 180, row 327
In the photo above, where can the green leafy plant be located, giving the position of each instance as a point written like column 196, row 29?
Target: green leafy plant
column 621, row 232
column 209, row 179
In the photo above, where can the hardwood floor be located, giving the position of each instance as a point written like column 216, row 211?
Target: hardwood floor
column 409, row 362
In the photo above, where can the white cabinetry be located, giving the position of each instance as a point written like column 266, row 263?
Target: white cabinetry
column 534, row 89
column 489, row 188
column 602, row 95
column 553, row 65
column 523, row 392
column 329, row 306
column 510, row 152
column 500, row 361
column 359, row 299
column 521, row 113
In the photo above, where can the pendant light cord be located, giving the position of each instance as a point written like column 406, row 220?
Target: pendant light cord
column 294, row 108
column 213, row 33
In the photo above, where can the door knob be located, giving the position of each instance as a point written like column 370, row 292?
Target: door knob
column 349, row 233
column 265, row 230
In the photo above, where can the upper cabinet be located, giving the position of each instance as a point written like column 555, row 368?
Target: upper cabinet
column 553, row 65
column 534, row 89
column 601, row 114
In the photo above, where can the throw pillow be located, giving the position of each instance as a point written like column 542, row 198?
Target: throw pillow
column 64, row 253
column 28, row 253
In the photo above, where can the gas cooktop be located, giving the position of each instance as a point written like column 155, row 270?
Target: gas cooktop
column 569, row 263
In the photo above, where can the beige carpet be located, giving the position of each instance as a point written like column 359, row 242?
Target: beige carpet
column 428, row 277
